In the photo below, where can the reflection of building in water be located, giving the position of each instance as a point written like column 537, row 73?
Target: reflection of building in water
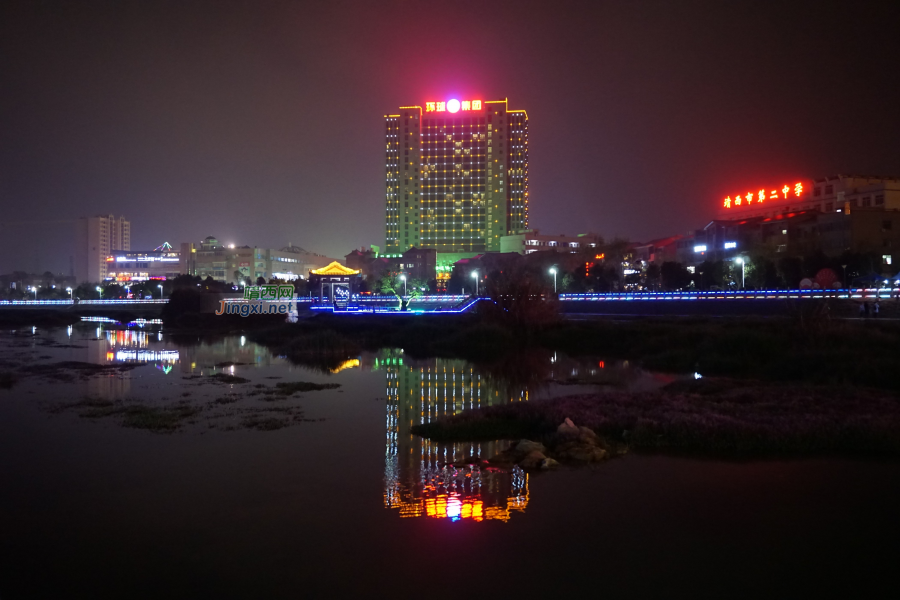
column 127, row 338
column 110, row 386
column 420, row 479
column 617, row 374
column 129, row 345
column 203, row 357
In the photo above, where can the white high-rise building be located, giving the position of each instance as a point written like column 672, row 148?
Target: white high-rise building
column 96, row 238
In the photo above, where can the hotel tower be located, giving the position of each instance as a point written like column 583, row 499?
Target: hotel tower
column 456, row 174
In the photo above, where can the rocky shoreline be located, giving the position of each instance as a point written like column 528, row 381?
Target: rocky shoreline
column 710, row 417
column 570, row 444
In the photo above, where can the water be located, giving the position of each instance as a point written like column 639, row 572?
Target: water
column 343, row 502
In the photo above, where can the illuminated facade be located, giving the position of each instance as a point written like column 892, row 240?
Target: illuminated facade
column 456, row 175
column 827, row 195
column 420, row 477
column 143, row 265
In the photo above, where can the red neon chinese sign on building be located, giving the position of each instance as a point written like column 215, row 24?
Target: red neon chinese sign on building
column 453, row 105
column 761, row 196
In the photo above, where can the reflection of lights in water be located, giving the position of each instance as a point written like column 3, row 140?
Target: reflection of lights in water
column 243, row 341
column 159, row 336
column 164, row 368
column 420, row 479
column 69, row 331
column 147, row 355
column 347, row 364
column 697, row 375
column 121, row 338
column 138, row 322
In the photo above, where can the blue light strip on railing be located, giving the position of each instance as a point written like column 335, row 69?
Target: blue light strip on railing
column 738, row 295
column 70, row 302
column 393, row 311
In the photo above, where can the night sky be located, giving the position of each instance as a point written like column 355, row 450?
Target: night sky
column 262, row 122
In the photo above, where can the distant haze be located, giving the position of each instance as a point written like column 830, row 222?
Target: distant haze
column 261, row 122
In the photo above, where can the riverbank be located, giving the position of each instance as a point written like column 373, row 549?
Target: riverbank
column 709, row 417
column 813, row 352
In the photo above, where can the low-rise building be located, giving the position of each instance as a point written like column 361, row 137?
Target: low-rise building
column 242, row 264
column 533, row 240
column 415, row 263
column 658, row 251
column 161, row 263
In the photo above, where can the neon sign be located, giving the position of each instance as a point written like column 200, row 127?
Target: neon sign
column 453, row 105
column 761, row 196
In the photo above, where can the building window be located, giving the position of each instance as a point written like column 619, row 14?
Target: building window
column 829, row 189
column 879, row 200
column 829, row 206
column 817, row 191
column 867, row 201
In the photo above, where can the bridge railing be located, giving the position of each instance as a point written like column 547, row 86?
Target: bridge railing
column 79, row 302
column 854, row 294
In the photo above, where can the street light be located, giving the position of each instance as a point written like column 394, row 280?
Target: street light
column 32, row 288
column 403, row 279
column 740, row 261
column 68, row 289
column 553, row 270
column 99, row 289
column 160, row 291
column 475, row 277
column 846, row 287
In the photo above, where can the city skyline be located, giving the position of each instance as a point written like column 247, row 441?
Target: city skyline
column 645, row 116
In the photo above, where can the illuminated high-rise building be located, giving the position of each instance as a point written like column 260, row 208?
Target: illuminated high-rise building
column 456, row 175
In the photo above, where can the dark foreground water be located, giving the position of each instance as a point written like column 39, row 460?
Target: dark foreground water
column 334, row 498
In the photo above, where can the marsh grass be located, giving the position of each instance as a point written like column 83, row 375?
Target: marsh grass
column 262, row 423
column 228, row 378
column 162, row 420
column 287, row 388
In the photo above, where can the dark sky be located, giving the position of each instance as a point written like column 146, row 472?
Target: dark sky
column 261, row 122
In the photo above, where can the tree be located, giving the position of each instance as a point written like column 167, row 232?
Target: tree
column 711, row 274
column 761, row 274
column 520, row 299
column 652, row 276
column 183, row 281
column 391, row 283
column 790, row 270
column 86, row 291
column 674, row 276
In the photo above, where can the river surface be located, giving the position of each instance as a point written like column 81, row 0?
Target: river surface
column 326, row 494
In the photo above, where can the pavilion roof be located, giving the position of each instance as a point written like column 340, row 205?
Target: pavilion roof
column 335, row 268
